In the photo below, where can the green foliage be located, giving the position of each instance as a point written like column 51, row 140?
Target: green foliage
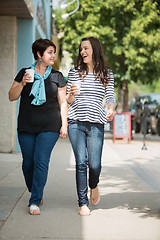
column 142, row 43
column 157, row 86
column 128, row 29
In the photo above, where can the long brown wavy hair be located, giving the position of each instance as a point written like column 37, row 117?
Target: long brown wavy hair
column 99, row 65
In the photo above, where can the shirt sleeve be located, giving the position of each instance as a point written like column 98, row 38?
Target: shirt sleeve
column 20, row 75
column 109, row 91
column 61, row 80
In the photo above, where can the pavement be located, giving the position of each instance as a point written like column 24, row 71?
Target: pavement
column 129, row 208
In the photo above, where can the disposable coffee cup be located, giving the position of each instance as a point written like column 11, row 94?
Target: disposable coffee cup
column 31, row 73
column 78, row 85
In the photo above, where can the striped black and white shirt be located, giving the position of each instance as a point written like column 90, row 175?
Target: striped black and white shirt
column 87, row 106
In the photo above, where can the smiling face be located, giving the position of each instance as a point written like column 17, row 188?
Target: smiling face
column 86, row 52
column 48, row 56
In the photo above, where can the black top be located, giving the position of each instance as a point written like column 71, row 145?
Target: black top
column 45, row 117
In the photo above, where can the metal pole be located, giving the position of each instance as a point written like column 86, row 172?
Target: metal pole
column 144, row 117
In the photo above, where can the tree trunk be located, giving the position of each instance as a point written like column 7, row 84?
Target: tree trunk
column 119, row 104
column 125, row 95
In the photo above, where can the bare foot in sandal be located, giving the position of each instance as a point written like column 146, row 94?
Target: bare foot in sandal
column 34, row 210
column 94, row 196
column 84, row 211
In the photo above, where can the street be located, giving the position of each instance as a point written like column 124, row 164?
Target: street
column 129, row 208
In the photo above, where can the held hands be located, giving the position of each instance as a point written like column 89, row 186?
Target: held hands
column 63, row 132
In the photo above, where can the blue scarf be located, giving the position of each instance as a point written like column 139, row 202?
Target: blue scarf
column 38, row 87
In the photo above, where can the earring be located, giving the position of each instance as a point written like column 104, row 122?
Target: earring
column 40, row 61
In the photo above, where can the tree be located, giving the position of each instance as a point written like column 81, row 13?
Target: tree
column 130, row 34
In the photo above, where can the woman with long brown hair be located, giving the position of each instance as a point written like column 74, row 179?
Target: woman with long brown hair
column 86, row 116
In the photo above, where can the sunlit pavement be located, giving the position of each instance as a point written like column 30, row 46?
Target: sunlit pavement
column 129, row 208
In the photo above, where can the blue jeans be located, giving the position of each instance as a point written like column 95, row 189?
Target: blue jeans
column 36, row 150
column 87, row 142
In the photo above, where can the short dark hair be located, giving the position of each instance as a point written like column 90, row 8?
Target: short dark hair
column 40, row 45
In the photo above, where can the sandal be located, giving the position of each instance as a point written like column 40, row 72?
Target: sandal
column 34, row 210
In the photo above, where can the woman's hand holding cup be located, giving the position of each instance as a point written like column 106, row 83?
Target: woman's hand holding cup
column 28, row 77
column 75, row 88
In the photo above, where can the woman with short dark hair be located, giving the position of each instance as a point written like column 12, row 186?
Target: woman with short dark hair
column 42, row 117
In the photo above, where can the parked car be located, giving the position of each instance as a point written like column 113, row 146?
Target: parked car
column 150, row 103
column 154, row 108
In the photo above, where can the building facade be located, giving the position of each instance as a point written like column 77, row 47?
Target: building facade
column 21, row 23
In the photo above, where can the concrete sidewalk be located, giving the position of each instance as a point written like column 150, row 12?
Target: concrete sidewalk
column 129, row 208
